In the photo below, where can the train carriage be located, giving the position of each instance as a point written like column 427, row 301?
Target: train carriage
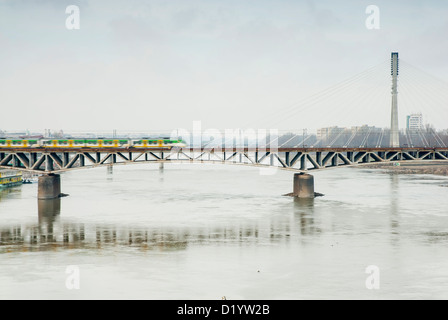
column 157, row 143
column 16, row 143
column 107, row 143
column 53, row 143
column 147, row 143
column 92, row 143
column 76, row 143
column 174, row 143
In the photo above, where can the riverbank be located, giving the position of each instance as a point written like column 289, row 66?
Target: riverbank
column 431, row 168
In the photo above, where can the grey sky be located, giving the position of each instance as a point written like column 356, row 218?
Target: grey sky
column 163, row 64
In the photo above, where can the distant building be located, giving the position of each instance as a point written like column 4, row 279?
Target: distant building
column 332, row 132
column 324, row 133
column 414, row 121
column 364, row 129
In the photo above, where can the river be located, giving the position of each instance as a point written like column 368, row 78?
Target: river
column 213, row 231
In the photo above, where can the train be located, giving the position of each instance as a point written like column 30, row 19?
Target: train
column 158, row 143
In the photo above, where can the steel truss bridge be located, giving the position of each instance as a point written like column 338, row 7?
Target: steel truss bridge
column 301, row 160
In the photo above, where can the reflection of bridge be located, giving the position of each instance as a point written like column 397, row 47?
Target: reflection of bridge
column 78, row 236
column 52, row 234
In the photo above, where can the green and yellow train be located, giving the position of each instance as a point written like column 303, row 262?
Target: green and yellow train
column 91, row 143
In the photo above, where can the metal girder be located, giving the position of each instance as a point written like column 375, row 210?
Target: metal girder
column 297, row 159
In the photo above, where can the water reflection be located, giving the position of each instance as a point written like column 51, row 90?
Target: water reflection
column 51, row 233
column 6, row 193
column 48, row 210
column 394, row 208
column 110, row 173
column 434, row 237
column 48, row 235
column 304, row 214
column 161, row 172
column 48, row 213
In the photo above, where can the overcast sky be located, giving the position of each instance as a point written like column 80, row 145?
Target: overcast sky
column 162, row 64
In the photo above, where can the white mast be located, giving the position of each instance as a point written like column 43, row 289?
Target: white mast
column 394, row 136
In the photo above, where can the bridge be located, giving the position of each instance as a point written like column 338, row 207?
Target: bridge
column 278, row 152
column 301, row 160
column 50, row 162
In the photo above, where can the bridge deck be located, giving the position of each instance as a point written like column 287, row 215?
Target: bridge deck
column 47, row 160
column 202, row 149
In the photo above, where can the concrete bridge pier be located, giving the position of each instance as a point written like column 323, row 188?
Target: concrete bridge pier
column 303, row 185
column 49, row 187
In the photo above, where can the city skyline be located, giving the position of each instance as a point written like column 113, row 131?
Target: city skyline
column 413, row 117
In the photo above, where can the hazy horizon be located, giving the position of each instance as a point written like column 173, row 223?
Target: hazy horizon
column 158, row 65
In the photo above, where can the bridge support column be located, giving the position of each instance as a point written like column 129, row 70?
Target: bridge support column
column 49, row 187
column 303, row 185
column 161, row 166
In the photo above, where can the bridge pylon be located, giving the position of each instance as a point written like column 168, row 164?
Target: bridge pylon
column 394, row 133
